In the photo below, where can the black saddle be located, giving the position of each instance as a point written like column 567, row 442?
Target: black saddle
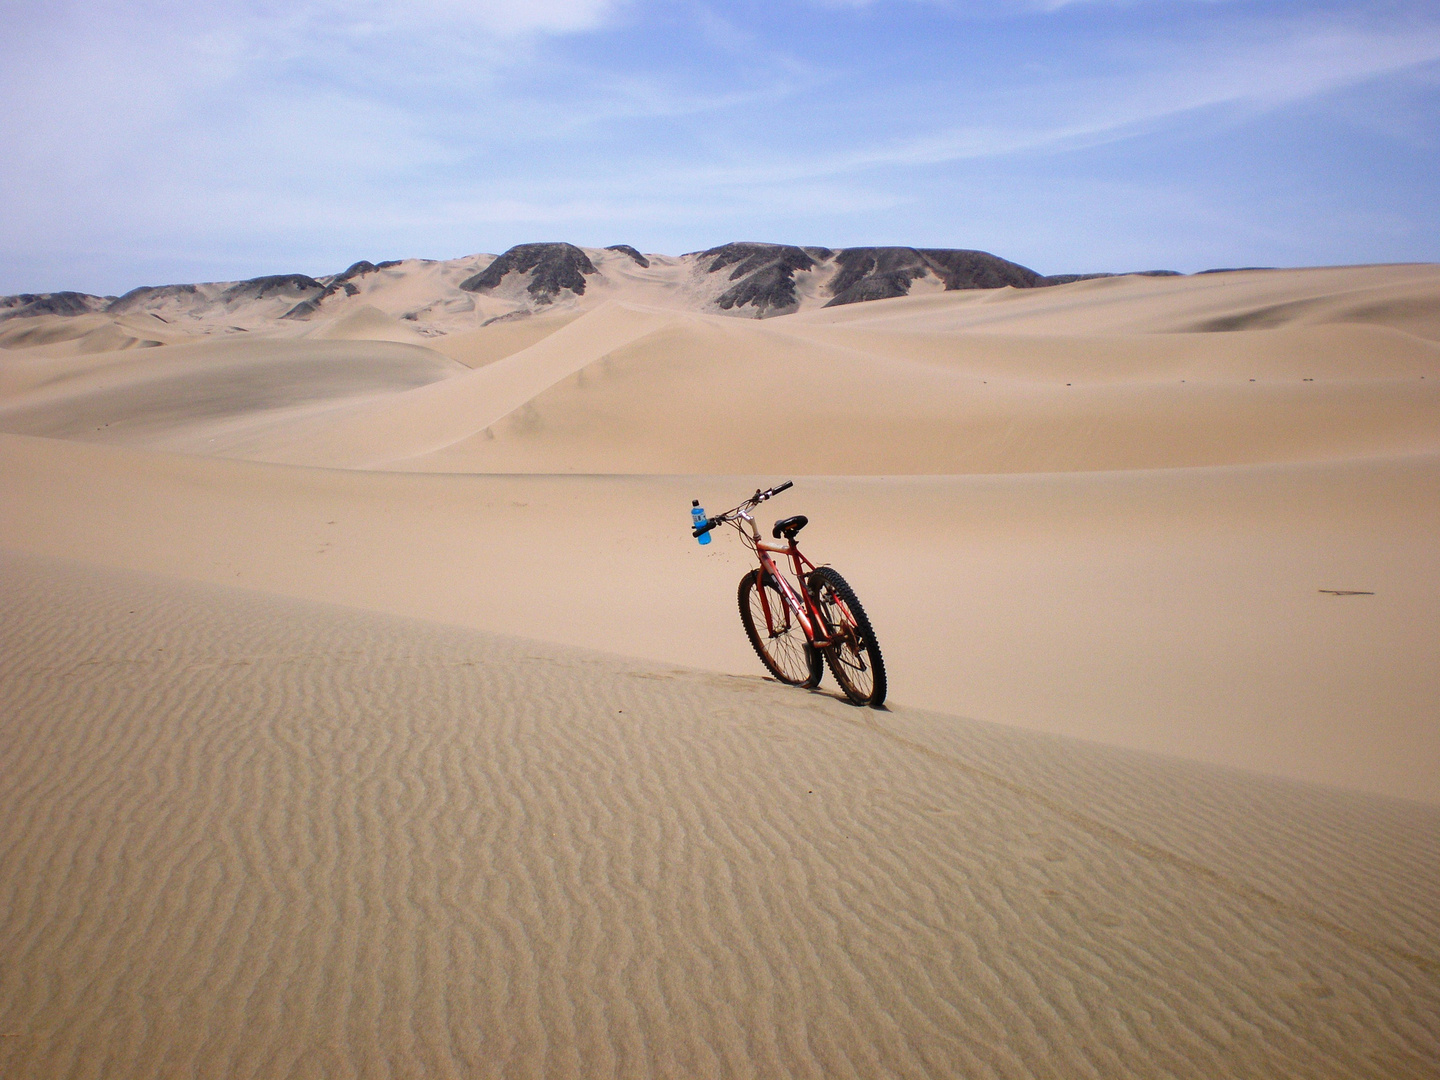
column 788, row 527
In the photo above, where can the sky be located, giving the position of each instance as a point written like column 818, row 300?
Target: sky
column 160, row 141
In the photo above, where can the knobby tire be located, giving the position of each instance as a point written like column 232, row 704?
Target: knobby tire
column 855, row 658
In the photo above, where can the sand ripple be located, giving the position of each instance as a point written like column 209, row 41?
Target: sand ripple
column 250, row 836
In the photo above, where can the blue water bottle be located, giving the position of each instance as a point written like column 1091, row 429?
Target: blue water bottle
column 697, row 517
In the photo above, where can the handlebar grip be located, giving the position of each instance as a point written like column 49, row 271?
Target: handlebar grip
column 782, row 487
column 701, row 530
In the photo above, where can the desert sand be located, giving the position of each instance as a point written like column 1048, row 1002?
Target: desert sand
column 368, row 709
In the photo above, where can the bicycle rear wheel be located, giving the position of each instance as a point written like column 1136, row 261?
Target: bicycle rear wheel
column 854, row 658
column 780, row 643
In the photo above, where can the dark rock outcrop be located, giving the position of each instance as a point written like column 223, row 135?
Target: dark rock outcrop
column 150, row 294
column 552, row 267
column 341, row 282
column 758, row 280
column 628, row 250
column 875, row 274
column 960, row 269
column 358, row 269
column 56, row 303
column 306, row 308
column 764, row 275
column 880, row 273
column 365, row 266
column 286, row 285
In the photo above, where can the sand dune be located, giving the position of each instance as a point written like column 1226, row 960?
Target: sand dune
column 1024, row 600
column 82, row 334
column 1155, row 555
column 947, row 383
column 476, row 348
column 367, row 324
column 1112, row 534
column 705, row 395
column 1402, row 297
column 186, row 396
column 288, row 839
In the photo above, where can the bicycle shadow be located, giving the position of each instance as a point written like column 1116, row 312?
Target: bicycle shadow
column 839, row 696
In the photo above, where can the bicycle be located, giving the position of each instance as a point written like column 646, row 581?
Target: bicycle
column 791, row 626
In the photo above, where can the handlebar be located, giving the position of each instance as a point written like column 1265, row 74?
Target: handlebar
column 729, row 515
column 761, row 496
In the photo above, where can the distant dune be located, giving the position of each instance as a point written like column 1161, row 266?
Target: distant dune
column 366, row 707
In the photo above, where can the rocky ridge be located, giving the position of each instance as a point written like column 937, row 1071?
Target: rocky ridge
column 748, row 279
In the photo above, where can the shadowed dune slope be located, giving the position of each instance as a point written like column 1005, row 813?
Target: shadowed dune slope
column 77, row 335
column 185, row 396
column 409, row 423
column 367, row 324
column 242, row 835
column 476, row 348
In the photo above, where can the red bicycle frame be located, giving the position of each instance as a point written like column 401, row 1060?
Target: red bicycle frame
column 802, row 605
column 835, row 626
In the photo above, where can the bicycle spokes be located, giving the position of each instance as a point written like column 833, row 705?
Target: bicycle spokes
column 778, row 639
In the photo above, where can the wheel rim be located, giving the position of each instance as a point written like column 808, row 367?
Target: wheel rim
column 787, row 647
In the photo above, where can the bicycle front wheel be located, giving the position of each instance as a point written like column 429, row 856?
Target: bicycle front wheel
column 854, row 657
column 779, row 640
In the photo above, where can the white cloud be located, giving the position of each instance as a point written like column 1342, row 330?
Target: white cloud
column 506, row 18
column 1169, row 86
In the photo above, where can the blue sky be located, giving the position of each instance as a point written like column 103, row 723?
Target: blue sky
column 157, row 140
